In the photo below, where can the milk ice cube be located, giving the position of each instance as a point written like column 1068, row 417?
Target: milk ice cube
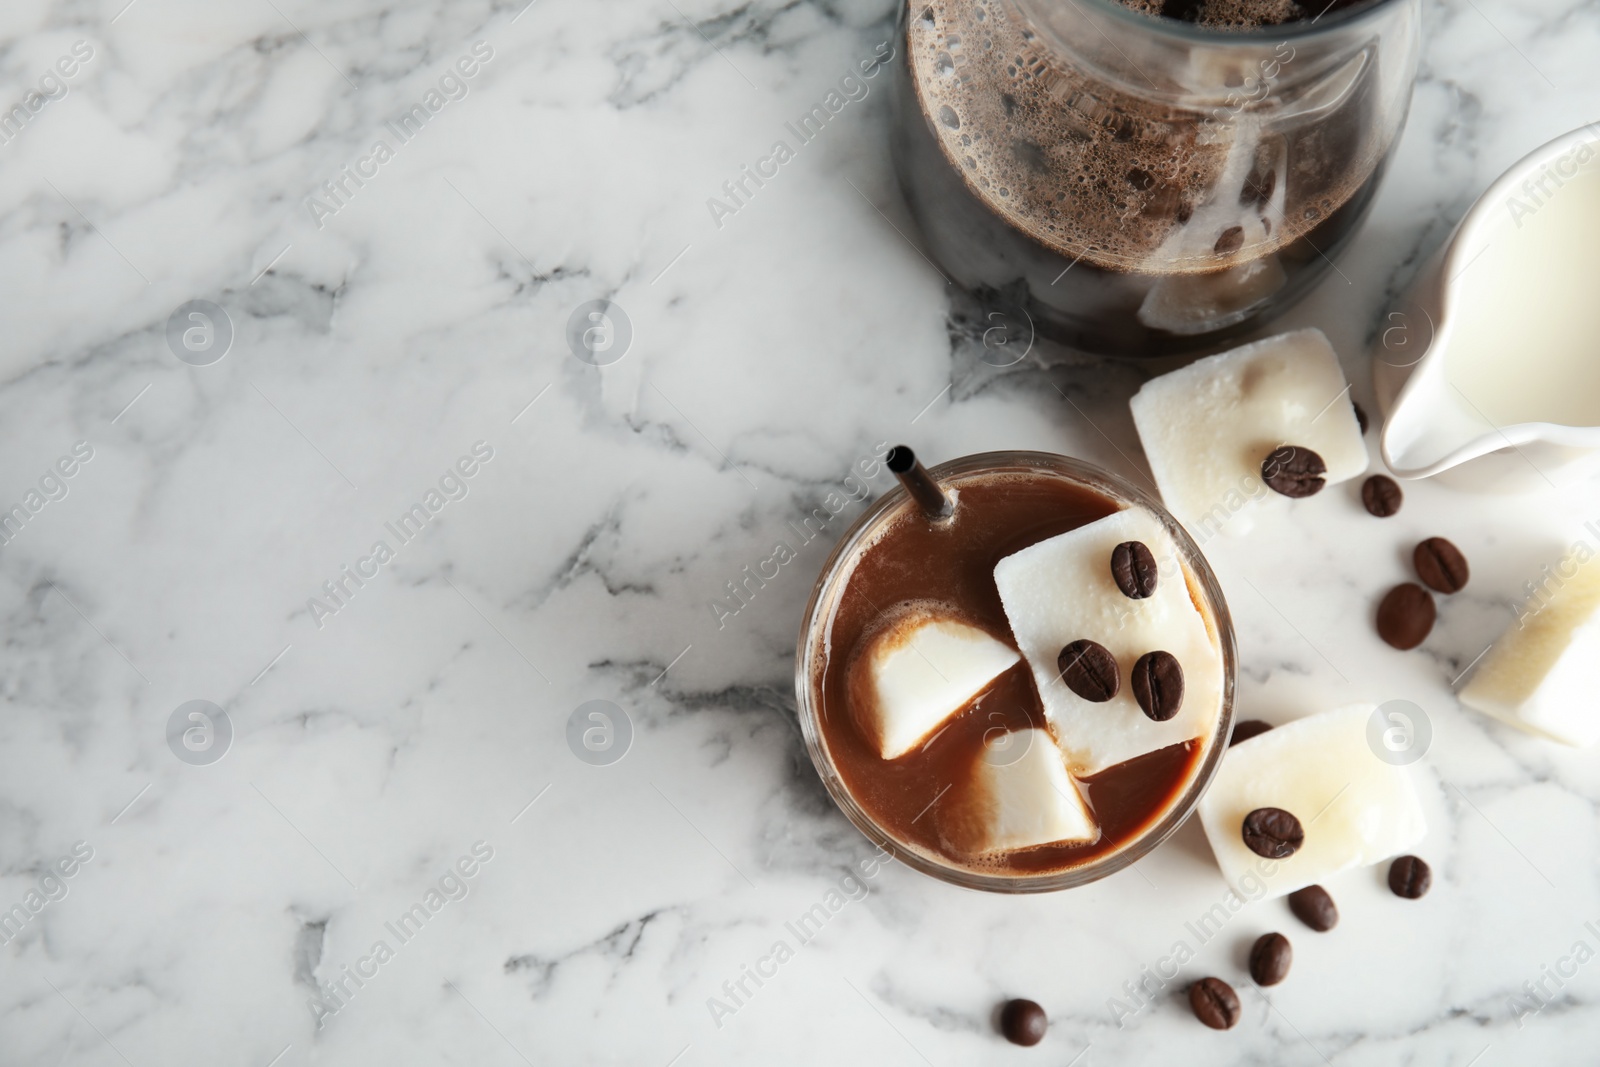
column 1543, row 674
column 1020, row 796
column 1207, row 427
column 1356, row 809
column 1061, row 589
column 916, row 674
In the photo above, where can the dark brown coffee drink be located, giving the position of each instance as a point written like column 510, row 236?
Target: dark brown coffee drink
column 1152, row 209
column 911, row 569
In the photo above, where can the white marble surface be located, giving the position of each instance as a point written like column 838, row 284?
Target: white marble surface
column 430, row 710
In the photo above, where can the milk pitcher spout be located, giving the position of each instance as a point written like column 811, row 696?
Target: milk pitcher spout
column 1489, row 373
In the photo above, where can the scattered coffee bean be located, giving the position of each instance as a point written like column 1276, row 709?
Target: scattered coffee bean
column 1244, row 731
column 1440, row 565
column 1023, row 1022
column 1293, row 471
column 1157, row 683
column 1405, row 616
column 1314, row 907
column 1215, row 1003
column 1381, row 496
column 1410, row 877
column 1089, row 670
column 1133, row 567
column 1273, row 833
column 1361, row 415
column 1270, row 958
column 1230, row 241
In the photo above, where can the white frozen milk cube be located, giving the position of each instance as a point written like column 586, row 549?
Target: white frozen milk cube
column 1021, row 796
column 1207, row 427
column 1062, row 590
column 917, row 674
column 1355, row 808
column 1543, row 675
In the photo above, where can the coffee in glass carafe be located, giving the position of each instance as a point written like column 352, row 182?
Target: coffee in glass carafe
column 1147, row 177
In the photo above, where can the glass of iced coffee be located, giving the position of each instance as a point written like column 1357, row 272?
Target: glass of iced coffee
column 1143, row 177
column 1018, row 677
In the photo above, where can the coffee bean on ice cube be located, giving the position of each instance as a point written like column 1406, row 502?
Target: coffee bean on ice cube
column 1089, row 670
column 1273, row 833
column 1293, row 471
column 1133, row 567
column 1157, row 683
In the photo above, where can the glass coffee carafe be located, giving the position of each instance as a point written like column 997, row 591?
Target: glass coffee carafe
column 1145, row 180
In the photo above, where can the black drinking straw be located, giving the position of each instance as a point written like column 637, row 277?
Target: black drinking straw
column 919, row 483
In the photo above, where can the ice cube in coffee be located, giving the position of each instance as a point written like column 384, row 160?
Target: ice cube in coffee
column 1027, row 694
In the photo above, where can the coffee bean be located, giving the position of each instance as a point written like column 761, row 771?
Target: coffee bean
column 1270, row 958
column 1405, row 616
column 1215, row 1003
column 1231, row 240
column 1023, row 1022
column 1314, row 907
column 1440, row 565
column 1293, row 471
column 1133, row 568
column 1381, row 496
column 1157, row 683
column 1089, row 670
column 1410, row 877
column 1244, row 731
column 1361, row 415
column 1273, row 833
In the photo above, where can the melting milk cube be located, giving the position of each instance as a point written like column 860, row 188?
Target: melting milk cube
column 1355, row 809
column 1543, row 675
column 1207, row 427
column 917, row 674
column 1021, row 796
column 1061, row 590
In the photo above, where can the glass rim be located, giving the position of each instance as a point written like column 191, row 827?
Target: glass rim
column 824, row 595
column 1189, row 33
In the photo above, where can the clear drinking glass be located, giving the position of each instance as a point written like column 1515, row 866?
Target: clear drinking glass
column 1140, row 185
column 813, row 649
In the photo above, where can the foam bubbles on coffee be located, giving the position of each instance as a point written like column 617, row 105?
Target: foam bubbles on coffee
column 1117, row 179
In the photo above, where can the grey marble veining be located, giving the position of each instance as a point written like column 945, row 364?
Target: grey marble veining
column 419, row 718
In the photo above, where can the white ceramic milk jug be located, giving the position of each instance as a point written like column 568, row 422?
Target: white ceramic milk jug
column 1492, row 370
